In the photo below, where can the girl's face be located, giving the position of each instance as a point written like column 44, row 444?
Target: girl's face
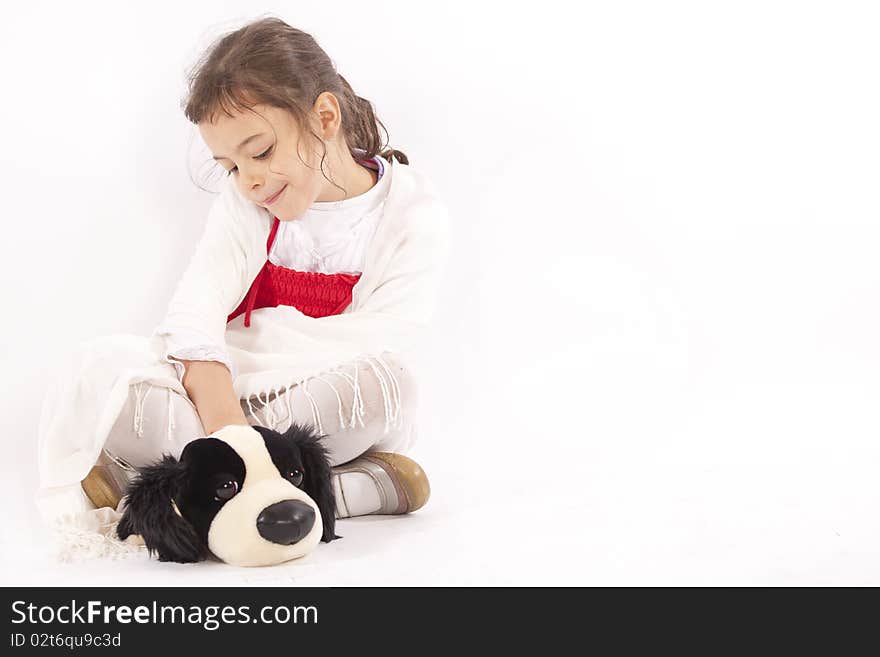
column 264, row 163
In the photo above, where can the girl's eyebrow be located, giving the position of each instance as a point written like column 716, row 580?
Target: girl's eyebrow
column 240, row 146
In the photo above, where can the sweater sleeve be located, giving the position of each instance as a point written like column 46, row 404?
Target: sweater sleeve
column 211, row 287
column 187, row 345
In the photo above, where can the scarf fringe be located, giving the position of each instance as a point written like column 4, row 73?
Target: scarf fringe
column 140, row 396
column 388, row 384
column 91, row 534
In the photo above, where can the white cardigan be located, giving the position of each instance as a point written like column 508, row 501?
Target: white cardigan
column 392, row 303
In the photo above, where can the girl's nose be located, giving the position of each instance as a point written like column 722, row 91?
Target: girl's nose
column 252, row 186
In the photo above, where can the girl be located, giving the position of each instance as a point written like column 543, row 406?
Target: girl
column 317, row 271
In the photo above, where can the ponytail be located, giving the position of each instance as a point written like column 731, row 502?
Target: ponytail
column 362, row 130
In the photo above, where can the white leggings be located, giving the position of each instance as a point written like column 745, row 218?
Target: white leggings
column 362, row 406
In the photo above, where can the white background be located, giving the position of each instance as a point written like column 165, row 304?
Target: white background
column 656, row 356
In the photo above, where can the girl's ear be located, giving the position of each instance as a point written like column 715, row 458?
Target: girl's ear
column 150, row 510
column 317, row 480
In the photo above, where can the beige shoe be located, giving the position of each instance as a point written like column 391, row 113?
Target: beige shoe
column 107, row 481
column 379, row 483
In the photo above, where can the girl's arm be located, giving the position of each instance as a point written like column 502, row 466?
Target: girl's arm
column 209, row 386
column 228, row 256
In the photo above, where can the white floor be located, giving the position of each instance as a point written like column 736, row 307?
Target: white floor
column 575, row 507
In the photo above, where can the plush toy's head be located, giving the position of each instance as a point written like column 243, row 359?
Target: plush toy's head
column 246, row 495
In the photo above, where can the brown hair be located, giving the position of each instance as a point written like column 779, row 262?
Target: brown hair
column 271, row 63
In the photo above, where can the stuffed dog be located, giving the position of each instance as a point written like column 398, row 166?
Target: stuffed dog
column 248, row 496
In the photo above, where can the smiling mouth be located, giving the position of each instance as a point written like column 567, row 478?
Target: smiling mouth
column 272, row 199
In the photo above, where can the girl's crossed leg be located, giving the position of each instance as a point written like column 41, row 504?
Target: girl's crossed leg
column 360, row 408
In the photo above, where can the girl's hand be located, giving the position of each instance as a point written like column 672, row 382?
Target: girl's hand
column 209, row 386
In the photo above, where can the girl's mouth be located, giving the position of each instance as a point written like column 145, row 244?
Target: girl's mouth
column 272, row 199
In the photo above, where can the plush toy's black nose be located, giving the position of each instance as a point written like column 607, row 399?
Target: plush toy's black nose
column 286, row 522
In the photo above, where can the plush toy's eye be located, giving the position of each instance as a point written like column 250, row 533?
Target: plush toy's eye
column 295, row 477
column 226, row 490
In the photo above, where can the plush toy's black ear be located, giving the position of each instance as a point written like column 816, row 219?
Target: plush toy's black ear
column 150, row 512
column 317, row 480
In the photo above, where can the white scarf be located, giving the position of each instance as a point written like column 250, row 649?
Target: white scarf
column 392, row 302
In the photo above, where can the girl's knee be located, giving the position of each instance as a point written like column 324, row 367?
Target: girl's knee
column 404, row 376
column 154, row 421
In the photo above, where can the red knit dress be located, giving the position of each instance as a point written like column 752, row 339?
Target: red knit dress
column 313, row 293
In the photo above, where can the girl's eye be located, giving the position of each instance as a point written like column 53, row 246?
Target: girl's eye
column 261, row 156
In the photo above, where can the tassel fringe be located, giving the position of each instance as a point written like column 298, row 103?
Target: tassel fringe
column 388, row 384
column 92, row 535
